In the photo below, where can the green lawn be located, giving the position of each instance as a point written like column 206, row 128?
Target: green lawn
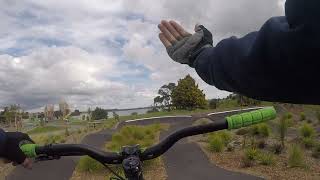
column 45, row 129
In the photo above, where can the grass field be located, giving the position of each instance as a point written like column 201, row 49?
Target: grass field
column 45, row 129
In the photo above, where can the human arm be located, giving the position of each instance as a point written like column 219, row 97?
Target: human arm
column 277, row 63
column 10, row 143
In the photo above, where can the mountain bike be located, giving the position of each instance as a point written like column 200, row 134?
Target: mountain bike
column 132, row 157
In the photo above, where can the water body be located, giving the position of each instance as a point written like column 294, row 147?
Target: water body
column 128, row 112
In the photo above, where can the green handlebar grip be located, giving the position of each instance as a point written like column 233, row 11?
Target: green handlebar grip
column 249, row 118
column 29, row 150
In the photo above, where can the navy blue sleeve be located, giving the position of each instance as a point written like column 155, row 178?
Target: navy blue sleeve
column 2, row 141
column 280, row 62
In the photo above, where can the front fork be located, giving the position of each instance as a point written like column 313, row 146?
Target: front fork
column 132, row 165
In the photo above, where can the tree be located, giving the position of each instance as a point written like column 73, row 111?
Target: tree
column 243, row 100
column 116, row 116
column 157, row 101
column 99, row 114
column 64, row 109
column 165, row 95
column 49, row 112
column 13, row 113
column 57, row 114
column 89, row 114
column 187, row 95
column 213, row 103
column 8, row 115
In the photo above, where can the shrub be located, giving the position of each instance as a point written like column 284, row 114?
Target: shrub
column 230, row 148
column 318, row 115
column 264, row 130
column 87, row 164
column 85, row 130
column 266, row 159
column 277, row 148
column 214, row 140
column 153, row 110
column 250, row 155
column 254, row 130
column 216, row 144
column 288, row 115
column 316, row 151
column 283, row 128
column 67, row 133
column 226, row 136
column 44, row 129
column 145, row 136
column 302, row 116
column 242, row 131
column 247, row 162
column 52, row 139
column 309, row 121
column 261, row 144
column 307, row 131
column 296, row 157
column 308, row 142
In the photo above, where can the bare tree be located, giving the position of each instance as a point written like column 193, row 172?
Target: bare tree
column 64, row 109
column 13, row 113
column 49, row 112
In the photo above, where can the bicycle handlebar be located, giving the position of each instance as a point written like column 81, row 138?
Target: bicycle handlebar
column 231, row 122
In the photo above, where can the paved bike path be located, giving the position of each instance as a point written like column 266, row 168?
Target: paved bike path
column 61, row 169
column 187, row 161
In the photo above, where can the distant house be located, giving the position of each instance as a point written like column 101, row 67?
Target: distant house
column 75, row 113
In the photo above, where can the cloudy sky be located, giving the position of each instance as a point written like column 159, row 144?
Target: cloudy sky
column 106, row 52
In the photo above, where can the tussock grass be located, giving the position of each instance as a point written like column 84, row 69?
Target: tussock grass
column 145, row 136
column 296, row 157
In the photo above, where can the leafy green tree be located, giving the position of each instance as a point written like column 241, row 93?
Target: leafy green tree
column 99, row 114
column 158, row 101
column 164, row 99
column 187, row 95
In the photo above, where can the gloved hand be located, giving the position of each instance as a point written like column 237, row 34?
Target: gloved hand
column 12, row 151
column 182, row 46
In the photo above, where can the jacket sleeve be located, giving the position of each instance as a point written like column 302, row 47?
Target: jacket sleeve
column 277, row 63
column 2, row 141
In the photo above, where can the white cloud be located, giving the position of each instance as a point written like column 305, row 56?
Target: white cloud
column 50, row 74
column 103, row 52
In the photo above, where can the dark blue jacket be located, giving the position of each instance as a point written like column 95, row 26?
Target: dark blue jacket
column 280, row 62
column 2, row 141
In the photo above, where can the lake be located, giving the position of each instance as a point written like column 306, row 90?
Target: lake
column 128, row 112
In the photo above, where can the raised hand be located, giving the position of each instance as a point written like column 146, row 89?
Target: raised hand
column 182, row 46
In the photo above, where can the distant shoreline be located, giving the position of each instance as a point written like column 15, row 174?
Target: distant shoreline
column 111, row 110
